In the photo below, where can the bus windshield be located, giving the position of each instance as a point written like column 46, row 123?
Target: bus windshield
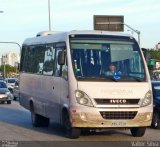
column 103, row 57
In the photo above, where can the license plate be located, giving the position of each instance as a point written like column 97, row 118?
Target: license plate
column 119, row 123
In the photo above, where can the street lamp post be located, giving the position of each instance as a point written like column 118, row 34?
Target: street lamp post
column 136, row 31
column 4, row 70
column 4, row 66
column 49, row 15
column 120, row 23
column 4, row 59
column 16, row 66
column 8, row 42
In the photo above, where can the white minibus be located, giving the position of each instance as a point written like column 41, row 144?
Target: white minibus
column 64, row 77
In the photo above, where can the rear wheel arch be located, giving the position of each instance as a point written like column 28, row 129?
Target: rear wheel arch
column 37, row 119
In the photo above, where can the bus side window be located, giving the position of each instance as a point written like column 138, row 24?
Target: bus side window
column 57, row 67
column 49, row 60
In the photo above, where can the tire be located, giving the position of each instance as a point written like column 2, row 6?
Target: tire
column 155, row 120
column 39, row 121
column 138, row 132
column 44, row 121
column 71, row 132
column 9, row 102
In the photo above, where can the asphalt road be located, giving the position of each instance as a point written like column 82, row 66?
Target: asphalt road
column 16, row 130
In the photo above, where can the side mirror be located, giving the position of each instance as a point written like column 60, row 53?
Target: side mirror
column 61, row 57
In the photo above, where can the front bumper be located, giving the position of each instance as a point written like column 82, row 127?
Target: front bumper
column 90, row 117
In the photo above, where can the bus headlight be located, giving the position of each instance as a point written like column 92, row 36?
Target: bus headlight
column 83, row 98
column 147, row 99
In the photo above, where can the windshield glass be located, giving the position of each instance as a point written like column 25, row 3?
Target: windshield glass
column 100, row 57
column 11, row 80
column 3, row 85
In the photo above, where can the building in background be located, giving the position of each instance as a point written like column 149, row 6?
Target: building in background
column 10, row 59
column 157, row 47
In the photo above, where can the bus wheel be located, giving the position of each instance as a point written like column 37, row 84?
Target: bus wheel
column 138, row 132
column 155, row 120
column 39, row 121
column 35, row 119
column 71, row 132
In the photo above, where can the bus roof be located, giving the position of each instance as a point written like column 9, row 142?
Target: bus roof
column 62, row 36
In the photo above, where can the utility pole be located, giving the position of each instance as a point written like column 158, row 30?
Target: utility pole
column 4, row 66
column 4, row 70
column 136, row 31
column 120, row 23
column 102, row 22
column 49, row 15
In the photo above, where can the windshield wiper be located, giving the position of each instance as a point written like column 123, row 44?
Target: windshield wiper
column 136, row 78
column 110, row 78
column 94, row 78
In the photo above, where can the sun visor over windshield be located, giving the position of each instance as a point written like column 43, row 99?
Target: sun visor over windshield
column 121, row 52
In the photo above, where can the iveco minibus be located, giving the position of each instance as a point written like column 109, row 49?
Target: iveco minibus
column 63, row 77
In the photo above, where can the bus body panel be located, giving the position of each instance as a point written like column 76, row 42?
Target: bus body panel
column 114, row 89
column 46, row 92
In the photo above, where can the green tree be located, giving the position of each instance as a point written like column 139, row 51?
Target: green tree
column 155, row 54
column 9, row 70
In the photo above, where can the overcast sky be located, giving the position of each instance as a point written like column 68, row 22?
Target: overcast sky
column 25, row 18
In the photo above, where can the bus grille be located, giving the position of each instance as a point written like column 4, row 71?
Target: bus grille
column 117, row 101
column 118, row 114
